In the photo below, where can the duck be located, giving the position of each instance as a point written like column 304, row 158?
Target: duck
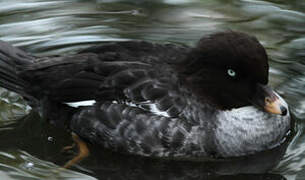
column 157, row 100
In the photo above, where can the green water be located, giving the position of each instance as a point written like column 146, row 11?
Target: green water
column 31, row 149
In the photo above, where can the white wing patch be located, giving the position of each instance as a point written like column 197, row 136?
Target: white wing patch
column 154, row 109
column 81, row 103
column 150, row 106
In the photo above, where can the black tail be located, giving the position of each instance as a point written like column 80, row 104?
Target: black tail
column 12, row 60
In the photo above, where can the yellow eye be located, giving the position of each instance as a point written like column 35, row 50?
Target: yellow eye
column 231, row 72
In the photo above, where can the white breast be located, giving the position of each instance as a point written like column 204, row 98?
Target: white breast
column 248, row 130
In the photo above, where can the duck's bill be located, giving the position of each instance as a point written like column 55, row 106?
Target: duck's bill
column 270, row 101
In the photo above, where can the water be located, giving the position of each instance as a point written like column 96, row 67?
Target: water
column 31, row 149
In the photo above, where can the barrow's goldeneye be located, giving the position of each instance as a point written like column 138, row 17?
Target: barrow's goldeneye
column 160, row 100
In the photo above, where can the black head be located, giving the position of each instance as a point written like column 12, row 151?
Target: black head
column 226, row 68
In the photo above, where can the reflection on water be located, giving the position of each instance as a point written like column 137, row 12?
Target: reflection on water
column 29, row 167
column 30, row 147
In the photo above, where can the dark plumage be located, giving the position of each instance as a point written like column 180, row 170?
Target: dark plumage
column 159, row 100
